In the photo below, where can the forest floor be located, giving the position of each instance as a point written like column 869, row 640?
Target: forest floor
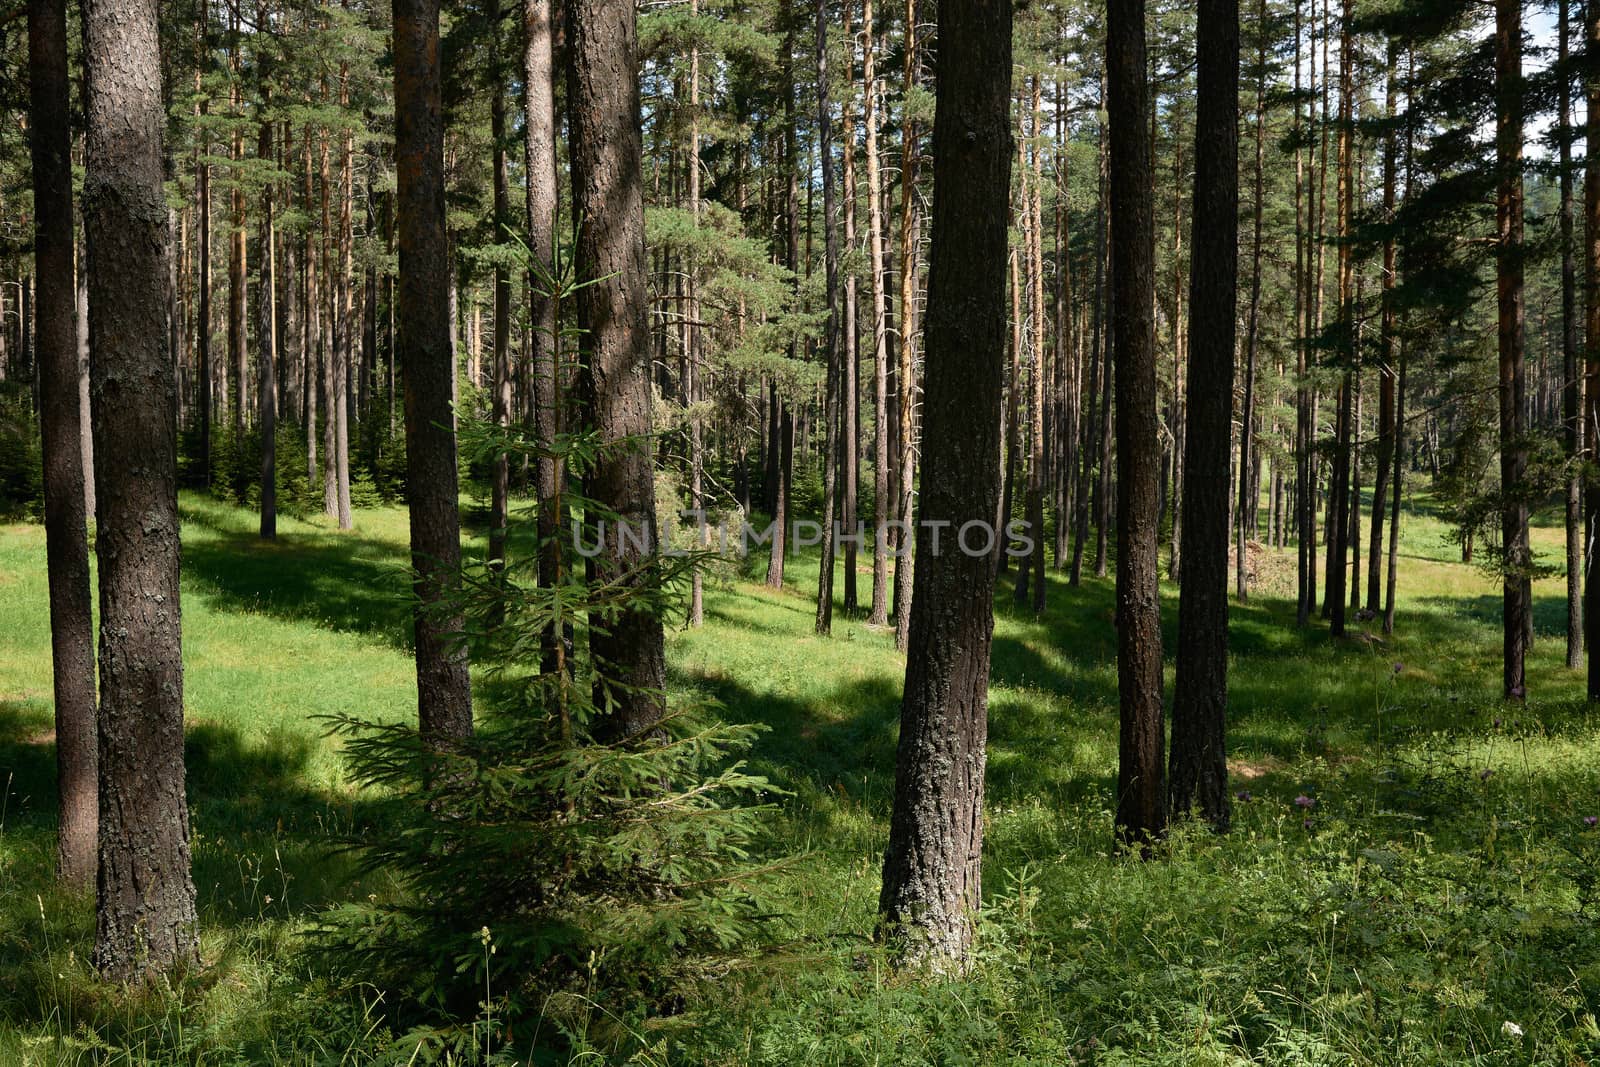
column 1437, row 902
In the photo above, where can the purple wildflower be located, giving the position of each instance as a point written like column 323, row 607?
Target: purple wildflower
column 1591, row 820
column 1303, row 801
column 1398, row 667
column 1244, row 795
column 1306, row 824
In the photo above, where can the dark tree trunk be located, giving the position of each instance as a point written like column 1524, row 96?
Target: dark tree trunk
column 905, row 350
column 267, row 355
column 444, row 691
column 850, row 386
column 1141, row 793
column 830, row 461
column 60, row 422
column 879, row 614
column 543, row 314
column 1338, row 521
column 932, row 869
column 1591, row 398
column 500, row 480
column 1388, row 371
column 1509, row 273
column 1199, row 767
column 146, row 913
column 1249, row 460
column 1572, row 381
column 603, row 103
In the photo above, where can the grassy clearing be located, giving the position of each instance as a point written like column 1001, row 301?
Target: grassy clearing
column 1437, row 904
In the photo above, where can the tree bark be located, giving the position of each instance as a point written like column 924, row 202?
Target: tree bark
column 538, row 65
column 1509, row 275
column 850, row 386
column 1249, row 486
column 444, row 692
column 1388, row 372
column 830, row 243
column 879, row 614
column 500, row 475
column 60, row 420
column 145, row 919
column 1572, row 381
column 603, row 103
column 267, row 353
column 1199, row 765
column 1141, row 795
column 905, row 376
column 932, row 869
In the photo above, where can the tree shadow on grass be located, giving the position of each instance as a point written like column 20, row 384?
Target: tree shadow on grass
column 259, row 828
column 341, row 582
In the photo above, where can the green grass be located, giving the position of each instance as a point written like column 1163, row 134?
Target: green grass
column 1426, row 906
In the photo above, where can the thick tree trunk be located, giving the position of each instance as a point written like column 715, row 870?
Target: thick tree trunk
column 933, row 866
column 603, row 102
column 60, row 421
column 1199, row 766
column 146, row 911
column 1141, row 795
column 444, row 692
column 1509, row 273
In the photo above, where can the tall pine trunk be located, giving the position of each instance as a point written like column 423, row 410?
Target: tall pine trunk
column 1572, row 381
column 145, row 919
column 603, row 105
column 830, row 242
column 1509, row 274
column 444, row 692
column 1141, row 794
column 60, row 421
column 1199, row 767
column 933, row 866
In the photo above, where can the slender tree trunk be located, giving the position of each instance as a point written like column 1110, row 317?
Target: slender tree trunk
column 145, row 919
column 1249, row 485
column 603, row 103
column 500, row 475
column 879, row 615
column 1591, row 396
column 267, row 354
column 1199, row 766
column 1388, row 372
column 830, row 461
column 1338, row 524
column 905, row 376
column 444, row 692
column 692, row 345
column 60, row 419
column 850, row 386
column 1572, row 381
column 933, row 865
column 539, row 119
column 343, row 317
column 1141, row 794
column 1509, row 272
